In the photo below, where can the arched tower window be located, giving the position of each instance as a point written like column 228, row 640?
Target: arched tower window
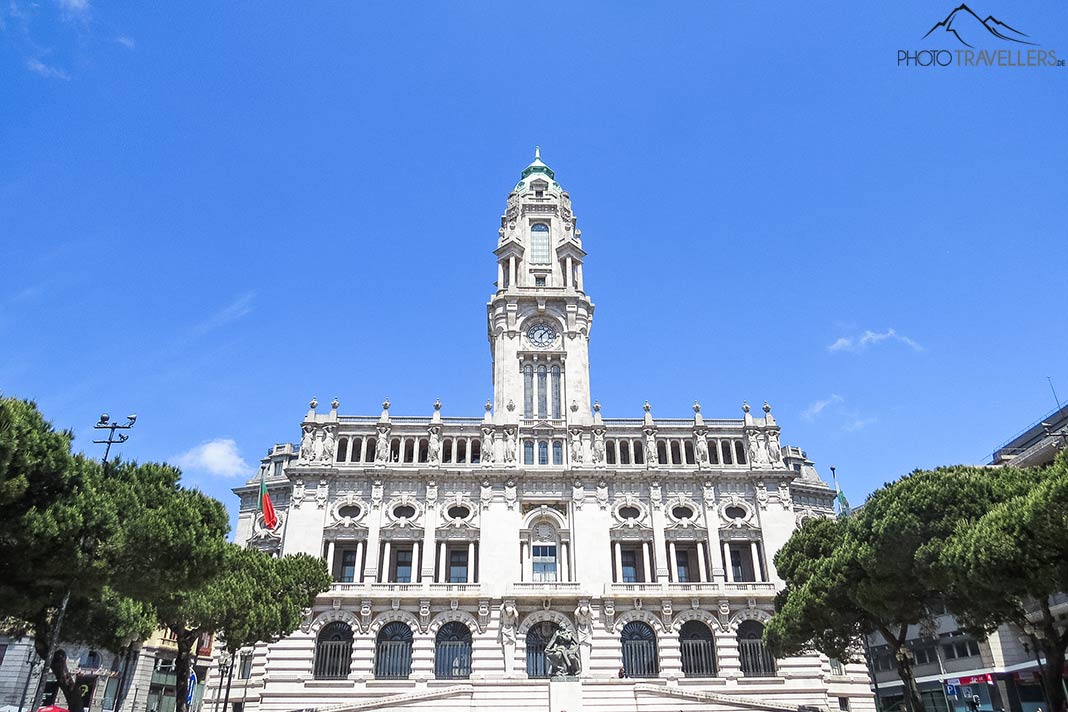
column 538, row 637
column 393, row 652
column 756, row 660
column 452, row 652
column 557, row 414
column 539, row 244
column 698, row 648
column 639, row 650
column 528, row 391
column 333, row 651
column 543, row 392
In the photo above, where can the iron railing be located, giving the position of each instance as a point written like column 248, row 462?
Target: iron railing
column 333, row 659
column 394, row 660
column 639, row 658
column 536, row 665
column 698, row 658
column 452, row 660
column 756, row 660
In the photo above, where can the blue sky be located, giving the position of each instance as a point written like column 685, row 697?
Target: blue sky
column 208, row 216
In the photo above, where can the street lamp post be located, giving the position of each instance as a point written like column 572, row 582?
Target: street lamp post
column 113, row 438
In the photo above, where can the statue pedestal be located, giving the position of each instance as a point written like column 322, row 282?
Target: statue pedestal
column 565, row 694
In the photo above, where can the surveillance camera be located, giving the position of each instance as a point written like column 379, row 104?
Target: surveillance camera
column 104, row 418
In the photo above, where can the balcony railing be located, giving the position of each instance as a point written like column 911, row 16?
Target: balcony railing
column 546, row 587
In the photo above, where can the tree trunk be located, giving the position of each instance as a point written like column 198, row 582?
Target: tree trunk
column 182, row 663
column 1052, row 643
column 903, row 662
column 124, row 681
column 68, row 684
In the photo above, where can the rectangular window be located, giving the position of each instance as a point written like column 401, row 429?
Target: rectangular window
column 629, row 565
column 539, row 245
column 237, row 707
column 278, row 469
column 924, row 656
column 961, row 649
column 404, row 566
column 544, row 563
column 683, row 570
column 528, row 391
column 348, row 566
column 110, row 689
column 528, row 452
column 539, row 281
column 458, row 566
column 836, row 667
column 557, row 414
column 543, row 392
column 244, row 672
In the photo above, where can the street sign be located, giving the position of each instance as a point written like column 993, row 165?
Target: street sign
column 192, row 688
column 951, row 689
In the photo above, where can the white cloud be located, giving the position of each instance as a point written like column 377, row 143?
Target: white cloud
column 233, row 311
column 871, row 338
column 857, row 423
column 39, row 67
column 127, row 42
column 809, row 414
column 75, row 8
column 216, row 457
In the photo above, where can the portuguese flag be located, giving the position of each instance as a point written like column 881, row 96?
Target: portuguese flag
column 270, row 519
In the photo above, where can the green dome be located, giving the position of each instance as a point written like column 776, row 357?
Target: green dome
column 537, row 166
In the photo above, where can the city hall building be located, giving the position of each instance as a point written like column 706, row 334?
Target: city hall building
column 461, row 547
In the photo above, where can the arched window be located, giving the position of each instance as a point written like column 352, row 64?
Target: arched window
column 689, row 453
column 624, row 452
column 333, row 651
column 739, row 452
column 342, row 450
column 725, row 445
column 92, row 660
column 357, row 450
column 756, row 660
column 539, row 244
column 661, row 453
column 639, row 453
column 452, row 652
column 528, row 391
column 676, row 456
column 528, row 452
column 610, row 452
column 543, row 452
column 698, row 650
column 393, row 652
column 538, row 637
column 558, row 452
column 713, row 452
column 639, row 650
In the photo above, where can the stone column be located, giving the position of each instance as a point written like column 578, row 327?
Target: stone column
column 567, row 272
column 674, row 560
column 370, row 570
column 728, row 570
column 754, row 548
column 619, row 561
column 430, row 528
column 385, row 562
column 701, row 561
column 647, row 558
column 358, row 572
column 564, row 569
column 443, row 572
column 659, row 542
column 471, row 562
column 330, row 558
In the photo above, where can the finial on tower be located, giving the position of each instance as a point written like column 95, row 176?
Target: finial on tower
column 537, row 153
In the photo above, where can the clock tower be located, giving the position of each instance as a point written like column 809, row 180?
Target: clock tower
column 539, row 319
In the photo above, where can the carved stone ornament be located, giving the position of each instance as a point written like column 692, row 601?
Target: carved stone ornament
column 424, row 614
column 577, row 451
column 298, row 494
column 321, row 494
column 511, row 438
column 784, row 496
column 307, row 442
column 327, row 447
column 602, row 494
column 758, row 453
column 382, row 445
column 434, row 445
column 488, row 456
column 598, row 447
column 510, row 494
column 485, row 495
column 700, row 444
column 609, row 611
column 376, row 494
column 762, row 495
column 578, row 494
column 365, row 613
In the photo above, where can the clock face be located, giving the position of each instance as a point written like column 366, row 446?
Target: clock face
column 541, row 335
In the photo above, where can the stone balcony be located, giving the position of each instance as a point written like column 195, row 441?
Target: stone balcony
column 551, row 589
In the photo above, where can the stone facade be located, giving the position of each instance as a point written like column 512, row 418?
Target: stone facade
column 459, row 545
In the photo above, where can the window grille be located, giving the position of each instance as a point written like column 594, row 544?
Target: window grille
column 333, row 652
column 393, row 652
column 756, row 660
column 639, row 650
column 538, row 637
column 698, row 650
column 452, row 652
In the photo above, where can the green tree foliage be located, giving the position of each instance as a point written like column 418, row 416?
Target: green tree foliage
column 255, row 597
column 1007, row 566
column 116, row 538
column 877, row 571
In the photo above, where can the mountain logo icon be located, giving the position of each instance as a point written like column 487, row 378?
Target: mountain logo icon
column 970, row 30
